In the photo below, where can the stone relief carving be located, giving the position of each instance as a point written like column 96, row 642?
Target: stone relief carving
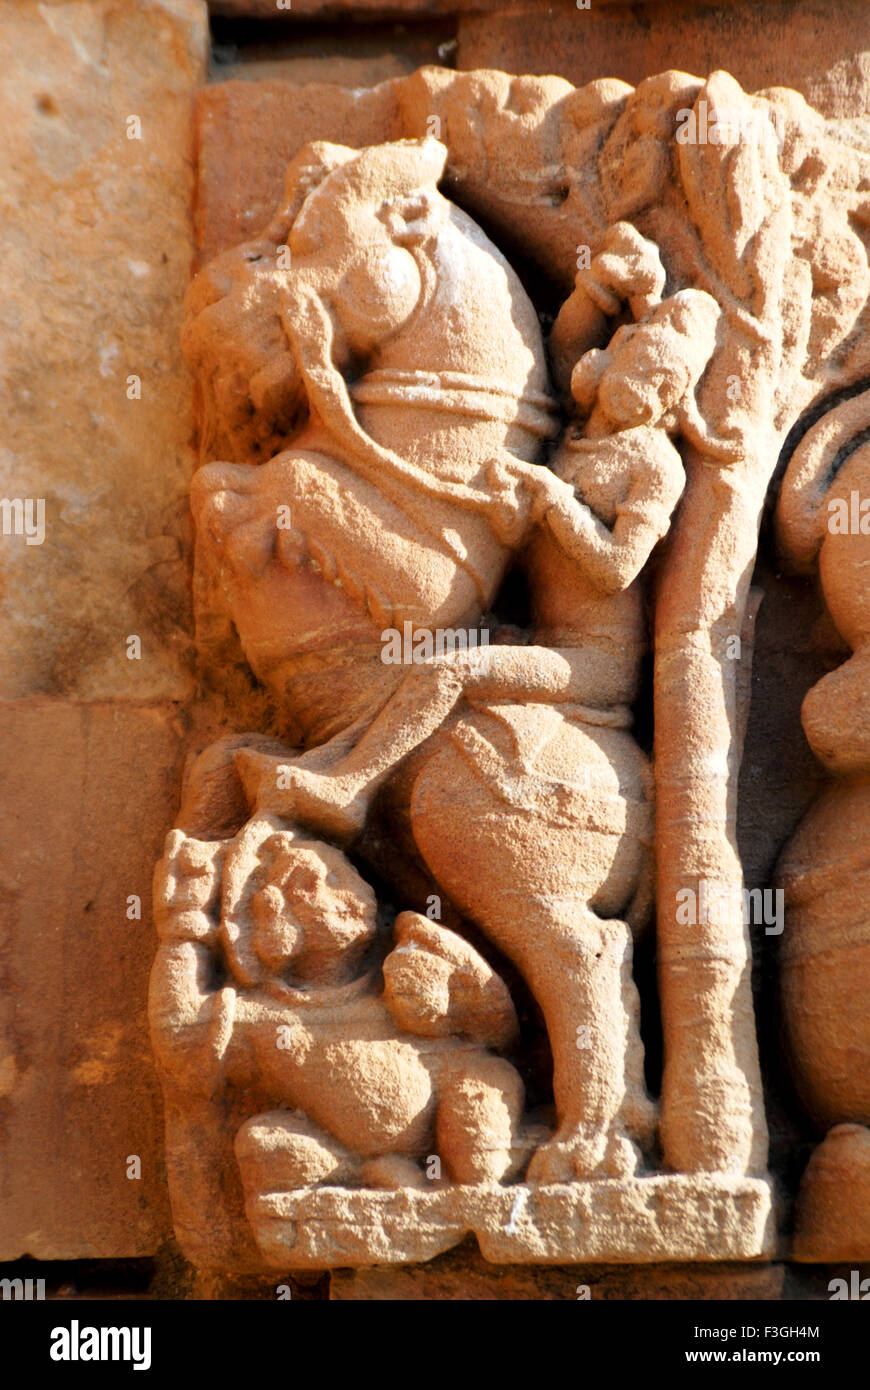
column 824, row 869
column 384, row 437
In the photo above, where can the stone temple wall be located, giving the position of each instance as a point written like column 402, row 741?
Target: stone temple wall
column 535, row 965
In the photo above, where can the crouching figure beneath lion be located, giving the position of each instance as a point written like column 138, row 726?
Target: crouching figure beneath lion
column 358, row 1054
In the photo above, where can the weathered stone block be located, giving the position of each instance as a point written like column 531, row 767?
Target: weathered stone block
column 820, row 50
column 85, row 791
column 248, row 133
column 95, row 209
column 464, row 1274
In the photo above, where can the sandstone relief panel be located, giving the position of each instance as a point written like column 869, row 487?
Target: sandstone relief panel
column 824, row 522
column 490, row 412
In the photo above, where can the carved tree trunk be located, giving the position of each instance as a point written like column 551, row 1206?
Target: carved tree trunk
column 740, row 203
column 712, row 1106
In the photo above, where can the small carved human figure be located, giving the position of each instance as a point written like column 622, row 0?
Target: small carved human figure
column 270, row 982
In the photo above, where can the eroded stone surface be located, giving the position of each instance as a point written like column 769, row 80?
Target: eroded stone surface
column 833, row 1209
column 645, row 1220
column 819, row 50
column 97, row 243
column 464, row 1274
column 349, row 55
column 83, row 804
column 825, row 869
column 249, row 132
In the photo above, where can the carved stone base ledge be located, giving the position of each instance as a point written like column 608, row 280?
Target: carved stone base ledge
column 640, row 1220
